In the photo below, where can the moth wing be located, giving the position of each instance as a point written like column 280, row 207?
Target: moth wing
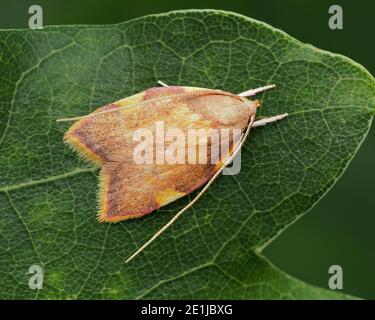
column 95, row 137
column 128, row 190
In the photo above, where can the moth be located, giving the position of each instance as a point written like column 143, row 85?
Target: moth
column 110, row 138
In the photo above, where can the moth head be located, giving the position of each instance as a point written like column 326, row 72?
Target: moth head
column 252, row 105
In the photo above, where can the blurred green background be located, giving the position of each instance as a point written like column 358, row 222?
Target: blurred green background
column 340, row 229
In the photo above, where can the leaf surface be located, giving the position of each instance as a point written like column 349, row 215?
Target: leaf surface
column 47, row 195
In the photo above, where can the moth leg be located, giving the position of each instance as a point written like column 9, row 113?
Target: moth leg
column 264, row 121
column 253, row 92
column 162, row 83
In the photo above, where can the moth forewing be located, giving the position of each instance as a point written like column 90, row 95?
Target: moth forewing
column 130, row 189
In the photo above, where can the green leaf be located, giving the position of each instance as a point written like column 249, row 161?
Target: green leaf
column 47, row 195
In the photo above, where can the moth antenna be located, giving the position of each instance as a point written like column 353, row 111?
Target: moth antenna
column 178, row 214
column 167, row 97
column 264, row 121
column 163, row 84
column 253, row 92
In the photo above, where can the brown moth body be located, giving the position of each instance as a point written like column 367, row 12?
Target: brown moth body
column 106, row 137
